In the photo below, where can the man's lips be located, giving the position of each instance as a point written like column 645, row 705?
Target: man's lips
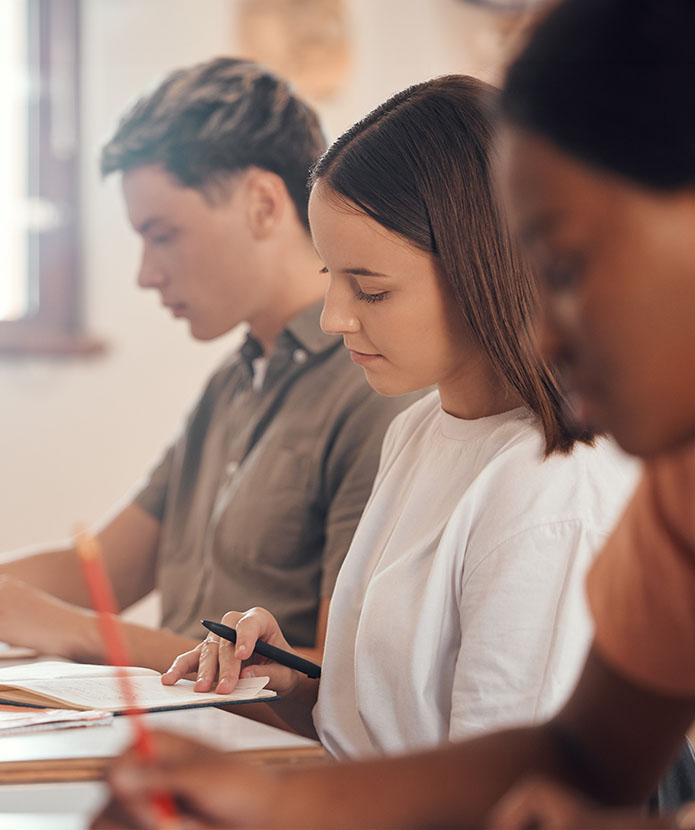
column 177, row 309
column 584, row 395
column 586, row 406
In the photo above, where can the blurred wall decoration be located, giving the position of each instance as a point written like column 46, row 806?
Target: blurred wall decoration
column 306, row 41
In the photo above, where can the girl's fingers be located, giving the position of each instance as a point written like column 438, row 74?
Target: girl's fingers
column 257, row 624
column 208, row 664
column 184, row 664
column 229, row 667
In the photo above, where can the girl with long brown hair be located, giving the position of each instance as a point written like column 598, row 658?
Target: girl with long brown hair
column 459, row 606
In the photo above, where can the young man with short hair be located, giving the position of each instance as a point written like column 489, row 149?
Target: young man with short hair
column 257, row 499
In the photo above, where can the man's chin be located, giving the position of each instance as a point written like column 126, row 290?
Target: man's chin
column 646, row 441
column 629, row 425
column 203, row 332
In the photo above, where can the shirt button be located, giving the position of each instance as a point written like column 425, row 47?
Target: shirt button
column 231, row 468
column 299, row 356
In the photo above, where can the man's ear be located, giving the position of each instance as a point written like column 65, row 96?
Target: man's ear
column 266, row 202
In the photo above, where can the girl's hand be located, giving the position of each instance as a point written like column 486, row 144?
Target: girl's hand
column 219, row 663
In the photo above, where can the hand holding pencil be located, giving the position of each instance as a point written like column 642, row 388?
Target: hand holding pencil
column 218, row 663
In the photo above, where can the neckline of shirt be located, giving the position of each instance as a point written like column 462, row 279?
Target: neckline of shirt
column 303, row 330
column 300, row 338
column 258, row 370
column 462, row 429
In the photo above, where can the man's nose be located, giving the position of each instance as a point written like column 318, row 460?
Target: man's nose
column 150, row 275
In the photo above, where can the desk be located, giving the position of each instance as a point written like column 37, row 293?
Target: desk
column 69, row 805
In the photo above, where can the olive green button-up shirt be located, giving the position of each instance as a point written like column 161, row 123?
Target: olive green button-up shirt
column 259, row 496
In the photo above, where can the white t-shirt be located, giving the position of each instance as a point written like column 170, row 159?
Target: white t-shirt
column 460, row 605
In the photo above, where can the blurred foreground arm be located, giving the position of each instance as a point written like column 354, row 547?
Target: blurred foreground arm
column 547, row 806
column 612, row 741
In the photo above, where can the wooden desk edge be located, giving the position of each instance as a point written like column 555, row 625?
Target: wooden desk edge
column 91, row 769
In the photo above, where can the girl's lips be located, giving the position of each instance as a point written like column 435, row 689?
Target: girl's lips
column 362, row 357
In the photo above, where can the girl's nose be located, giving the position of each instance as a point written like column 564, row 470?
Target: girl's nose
column 339, row 313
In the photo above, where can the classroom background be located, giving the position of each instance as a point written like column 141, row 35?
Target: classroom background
column 77, row 432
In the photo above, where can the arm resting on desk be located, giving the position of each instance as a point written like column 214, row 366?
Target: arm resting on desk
column 129, row 543
column 44, row 600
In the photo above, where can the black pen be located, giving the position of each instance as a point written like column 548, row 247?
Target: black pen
column 279, row 655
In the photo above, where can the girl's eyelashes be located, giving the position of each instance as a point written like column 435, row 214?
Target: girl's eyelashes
column 362, row 295
column 371, row 298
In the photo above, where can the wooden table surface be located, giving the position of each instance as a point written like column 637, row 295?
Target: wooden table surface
column 52, row 779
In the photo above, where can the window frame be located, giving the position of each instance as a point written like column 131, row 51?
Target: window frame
column 54, row 324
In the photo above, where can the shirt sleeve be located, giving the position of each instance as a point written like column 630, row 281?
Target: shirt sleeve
column 525, row 628
column 351, row 469
column 642, row 586
column 152, row 495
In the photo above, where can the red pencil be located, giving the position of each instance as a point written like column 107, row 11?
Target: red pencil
column 104, row 602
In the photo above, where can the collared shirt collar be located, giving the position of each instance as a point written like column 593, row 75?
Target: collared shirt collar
column 303, row 332
column 305, row 328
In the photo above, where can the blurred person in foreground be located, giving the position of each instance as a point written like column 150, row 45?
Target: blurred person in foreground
column 257, row 499
column 600, row 170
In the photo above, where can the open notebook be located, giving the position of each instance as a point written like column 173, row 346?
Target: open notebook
column 86, row 686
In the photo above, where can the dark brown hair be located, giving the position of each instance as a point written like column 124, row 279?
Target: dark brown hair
column 419, row 165
column 611, row 83
column 216, row 118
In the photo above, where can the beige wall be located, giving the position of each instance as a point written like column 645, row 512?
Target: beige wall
column 75, row 435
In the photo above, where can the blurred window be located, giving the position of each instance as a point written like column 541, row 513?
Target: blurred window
column 39, row 122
